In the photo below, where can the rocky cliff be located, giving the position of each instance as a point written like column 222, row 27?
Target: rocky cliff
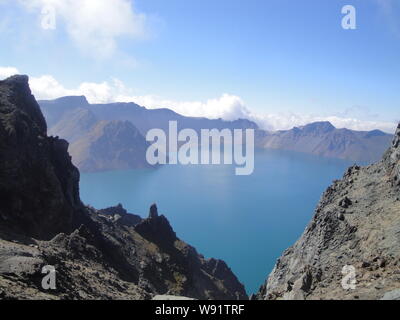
column 39, row 187
column 97, row 254
column 355, row 232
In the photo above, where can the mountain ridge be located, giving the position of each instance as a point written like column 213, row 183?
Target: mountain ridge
column 141, row 117
column 77, row 121
column 323, row 139
column 318, row 138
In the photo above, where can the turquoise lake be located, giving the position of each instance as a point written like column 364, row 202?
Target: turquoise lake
column 248, row 221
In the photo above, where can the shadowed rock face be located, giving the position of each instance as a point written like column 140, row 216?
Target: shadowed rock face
column 97, row 254
column 392, row 159
column 119, row 215
column 39, row 186
column 356, row 223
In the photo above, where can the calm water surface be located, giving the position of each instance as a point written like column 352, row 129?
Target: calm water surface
column 245, row 220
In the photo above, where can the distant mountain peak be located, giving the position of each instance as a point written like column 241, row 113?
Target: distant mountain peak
column 76, row 101
column 320, row 126
column 323, row 139
column 375, row 133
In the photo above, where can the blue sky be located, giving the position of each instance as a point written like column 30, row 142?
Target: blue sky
column 278, row 62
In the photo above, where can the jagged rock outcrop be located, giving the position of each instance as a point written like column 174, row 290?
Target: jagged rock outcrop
column 119, row 215
column 196, row 275
column 153, row 213
column 157, row 229
column 392, row 159
column 39, row 186
column 97, row 254
column 356, row 224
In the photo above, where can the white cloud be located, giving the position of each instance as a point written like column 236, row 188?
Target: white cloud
column 95, row 25
column 6, row 72
column 227, row 107
column 47, row 87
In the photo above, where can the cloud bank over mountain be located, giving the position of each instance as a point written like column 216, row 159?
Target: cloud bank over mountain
column 227, row 106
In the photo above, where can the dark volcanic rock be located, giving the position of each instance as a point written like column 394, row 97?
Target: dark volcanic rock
column 158, row 230
column 345, row 203
column 105, row 254
column 392, row 159
column 39, row 186
column 121, row 216
column 153, row 211
column 199, row 277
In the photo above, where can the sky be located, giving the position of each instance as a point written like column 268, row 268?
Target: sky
column 281, row 63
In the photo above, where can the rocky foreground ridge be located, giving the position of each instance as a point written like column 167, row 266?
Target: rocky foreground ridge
column 97, row 254
column 356, row 224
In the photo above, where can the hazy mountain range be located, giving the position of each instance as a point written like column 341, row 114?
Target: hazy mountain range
column 323, row 139
column 112, row 136
column 143, row 119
